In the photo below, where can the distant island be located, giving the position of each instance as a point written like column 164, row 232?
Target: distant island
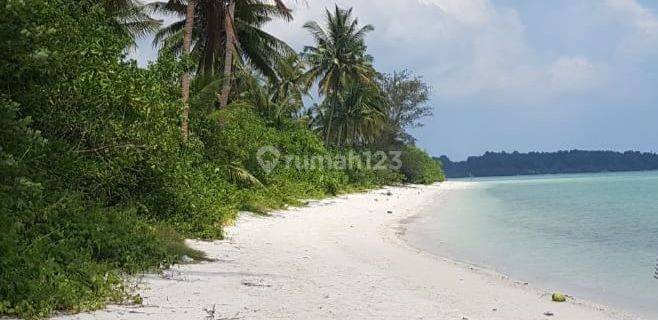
column 574, row 161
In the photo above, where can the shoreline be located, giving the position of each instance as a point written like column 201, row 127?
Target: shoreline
column 400, row 230
column 338, row 258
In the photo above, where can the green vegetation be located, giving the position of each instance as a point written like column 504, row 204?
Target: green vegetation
column 574, row 161
column 418, row 167
column 97, row 181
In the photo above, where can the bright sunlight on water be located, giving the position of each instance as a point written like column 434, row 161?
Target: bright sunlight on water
column 593, row 236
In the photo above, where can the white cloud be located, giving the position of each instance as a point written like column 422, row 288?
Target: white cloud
column 640, row 32
column 641, row 18
column 572, row 74
column 472, row 12
column 467, row 49
column 509, row 82
column 476, row 50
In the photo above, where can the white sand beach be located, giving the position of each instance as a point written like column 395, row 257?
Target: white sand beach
column 340, row 258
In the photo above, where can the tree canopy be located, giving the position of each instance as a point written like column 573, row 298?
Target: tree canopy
column 258, row 48
column 96, row 180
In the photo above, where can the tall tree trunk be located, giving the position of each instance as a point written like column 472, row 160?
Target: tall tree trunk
column 340, row 139
column 228, row 55
column 187, row 44
column 327, row 138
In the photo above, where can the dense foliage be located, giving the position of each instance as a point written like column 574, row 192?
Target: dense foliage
column 574, row 161
column 96, row 181
column 419, row 167
column 82, row 134
column 258, row 48
column 406, row 97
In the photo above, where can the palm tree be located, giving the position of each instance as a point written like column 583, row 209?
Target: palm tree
column 363, row 118
column 187, row 43
column 274, row 101
column 254, row 46
column 359, row 121
column 231, row 41
column 338, row 59
column 290, row 86
column 131, row 18
column 229, row 29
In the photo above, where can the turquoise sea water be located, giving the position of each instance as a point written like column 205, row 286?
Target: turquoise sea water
column 593, row 236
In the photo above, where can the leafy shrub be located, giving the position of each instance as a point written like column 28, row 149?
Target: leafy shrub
column 82, row 137
column 95, row 180
column 419, row 167
column 59, row 251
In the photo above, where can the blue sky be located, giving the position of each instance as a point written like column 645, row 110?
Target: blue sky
column 524, row 75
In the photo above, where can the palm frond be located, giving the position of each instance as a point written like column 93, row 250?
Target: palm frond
column 206, row 95
column 238, row 174
column 132, row 18
column 171, row 7
column 256, row 47
column 170, row 31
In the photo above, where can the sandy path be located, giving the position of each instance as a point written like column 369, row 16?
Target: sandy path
column 338, row 259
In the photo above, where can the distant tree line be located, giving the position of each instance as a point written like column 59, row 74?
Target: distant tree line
column 573, row 161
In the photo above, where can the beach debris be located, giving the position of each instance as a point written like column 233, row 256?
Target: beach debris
column 258, row 283
column 186, row 259
column 210, row 313
column 169, row 274
column 389, row 193
column 389, row 211
column 558, row 297
column 549, row 314
column 494, row 309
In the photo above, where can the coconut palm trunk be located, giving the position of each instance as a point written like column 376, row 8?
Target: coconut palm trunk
column 330, row 122
column 185, row 80
column 228, row 55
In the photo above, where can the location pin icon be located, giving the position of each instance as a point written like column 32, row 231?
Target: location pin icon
column 268, row 158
